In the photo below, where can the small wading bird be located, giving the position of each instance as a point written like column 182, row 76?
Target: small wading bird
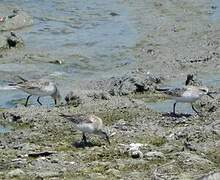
column 187, row 94
column 39, row 87
column 90, row 124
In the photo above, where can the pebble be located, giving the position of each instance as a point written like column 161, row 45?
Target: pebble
column 154, row 154
column 16, row 173
column 137, row 154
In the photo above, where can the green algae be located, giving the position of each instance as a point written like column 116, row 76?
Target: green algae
column 214, row 156
column 149, row 96
column 113, row 115
column 157, row 140
column 64, row 147
column 23, row 125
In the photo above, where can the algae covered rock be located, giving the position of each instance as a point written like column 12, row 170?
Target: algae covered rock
column 10, row 41
column 154, row 155
column 16, row 173
column 73, row 99
column 16, row 20
column 134, row 82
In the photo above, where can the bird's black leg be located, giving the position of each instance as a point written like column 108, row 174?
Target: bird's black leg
column 83, row 141
column 38, row 100
column 194, row 109
column 84, row 138
column 174, row 108
column 26, row 103
column 55, row 101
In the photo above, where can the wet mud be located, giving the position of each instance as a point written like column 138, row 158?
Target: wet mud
column 168, row 40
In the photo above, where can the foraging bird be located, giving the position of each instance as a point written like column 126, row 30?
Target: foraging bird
column 187, row 94
column 39, row 87
column 90, row 124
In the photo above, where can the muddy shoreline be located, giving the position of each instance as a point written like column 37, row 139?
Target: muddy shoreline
column 177, row 38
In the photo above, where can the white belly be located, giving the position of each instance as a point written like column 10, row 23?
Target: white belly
column 86, row 128
column 37, row 92
column 187, row 97
column 44, row 91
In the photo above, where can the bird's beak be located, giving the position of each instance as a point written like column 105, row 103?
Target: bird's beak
column 209, row 94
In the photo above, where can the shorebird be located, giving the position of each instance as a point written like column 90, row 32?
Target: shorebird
column 38, row 87
column 90, row 124
column 186, row 94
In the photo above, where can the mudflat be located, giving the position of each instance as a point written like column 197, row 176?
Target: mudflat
column 169, row 40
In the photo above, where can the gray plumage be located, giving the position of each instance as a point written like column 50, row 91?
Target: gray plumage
column 174, row 92
column 186, row 94
column 77, row 119
column 38, row 87
column 90, row 124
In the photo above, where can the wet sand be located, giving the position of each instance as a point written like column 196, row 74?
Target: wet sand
column 174, row 39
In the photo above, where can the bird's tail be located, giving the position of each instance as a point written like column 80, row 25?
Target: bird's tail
column 16, row 83
column 12, row 84
column 167, row 91
column 73, row 118
column 162, row 89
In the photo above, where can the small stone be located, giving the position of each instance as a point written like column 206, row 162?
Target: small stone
column 214, row 7
column 100, row 95
column 137, row 154
column 54, row 161
column 72, row 99
column 2, row 19
column 151, row 52
column 57, row 61
column 97, row 176
column 135, row 146
column 154, row 155
column 14, row 41
column 16, row 173
column 47, row 174
column 113, row 172
column 114, row 14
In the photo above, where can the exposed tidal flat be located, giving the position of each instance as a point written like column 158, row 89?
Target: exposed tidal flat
column 107, row 58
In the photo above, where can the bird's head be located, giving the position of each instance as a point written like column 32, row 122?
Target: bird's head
column 205, row 91
column 104, row 135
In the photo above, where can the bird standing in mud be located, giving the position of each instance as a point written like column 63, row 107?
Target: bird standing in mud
column 187, row 94
column 39, row 87
column 90, row 124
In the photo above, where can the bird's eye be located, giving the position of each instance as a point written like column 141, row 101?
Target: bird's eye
column 203, row 90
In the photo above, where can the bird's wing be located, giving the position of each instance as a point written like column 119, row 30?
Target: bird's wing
column 176, row 92
column 77, row 119
column 33, row 84
column 16, row 83
column 21, row 78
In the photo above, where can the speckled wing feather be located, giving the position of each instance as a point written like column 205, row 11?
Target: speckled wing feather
column 77, row 119
column 175, row 92
column 39, row 84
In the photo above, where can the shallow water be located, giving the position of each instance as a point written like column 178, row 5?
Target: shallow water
column 4, row 129
column 93, row 38
column 209, row 80
column 216, row 8
column 82, row 33
column 167, row 106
